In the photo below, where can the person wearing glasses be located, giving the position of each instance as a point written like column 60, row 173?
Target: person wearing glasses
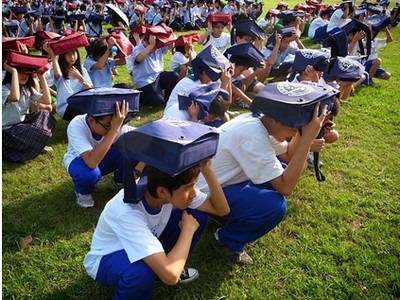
column 91, row 153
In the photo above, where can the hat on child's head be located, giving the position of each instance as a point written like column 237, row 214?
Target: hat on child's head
column 32, row 13
column 218, row 18
column 248, row 27
column 67, row 43
column 187, row 38
column 45, row 36
column 308, row 57
column 203, row 95
column 95, row 17
column 346, row 69
column 164, row 35
column 248, row 52
column 377, row 23
column 284, row 32
column 19, row 10
column 282, row 4
column 357, row 25
column 78, row 17
column 375, row 9
column 14, row 43
column 170, row 145
column 338, row 43
column 292, row 104
column 210, row 60
column 290, row 15
column 100, row 101
column 25, row 62
column 125, row 47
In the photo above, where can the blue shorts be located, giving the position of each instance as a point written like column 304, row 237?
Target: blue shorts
column 368, row 65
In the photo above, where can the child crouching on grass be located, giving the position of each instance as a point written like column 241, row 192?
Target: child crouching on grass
column 134, row 244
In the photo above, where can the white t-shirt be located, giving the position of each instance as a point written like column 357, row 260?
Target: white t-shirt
column 15, row 112
column 315, row 24
column 68, row 87
column 221, row 43
column 174, row 112
column 245, row 152
column 376, row 44
column 185, row 85
column 336, row 20
column 130, row 227
column 179, row 59
column 81, row 139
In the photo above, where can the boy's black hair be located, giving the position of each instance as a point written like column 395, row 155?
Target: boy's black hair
column 180, row 49
column 216, row 108
column 64, row 66
column 157, row 178
column 240, row 61
column 325, row 12
column 97, row 48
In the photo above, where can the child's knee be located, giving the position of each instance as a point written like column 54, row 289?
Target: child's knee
column 136, row 283
column 377, row 61
column 331, row 137
column 385, row 75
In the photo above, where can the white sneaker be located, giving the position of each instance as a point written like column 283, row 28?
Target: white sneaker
column 85, row 201
column 188, row 275
column 47, row 149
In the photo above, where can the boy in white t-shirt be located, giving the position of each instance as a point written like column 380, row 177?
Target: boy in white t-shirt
column 248, row 167
column 134, row 244
column 91, row 153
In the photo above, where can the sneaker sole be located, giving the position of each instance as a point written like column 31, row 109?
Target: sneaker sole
column 194, row 277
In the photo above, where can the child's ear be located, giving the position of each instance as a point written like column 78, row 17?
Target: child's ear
column 162, row 193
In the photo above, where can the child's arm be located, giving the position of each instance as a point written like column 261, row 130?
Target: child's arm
column 146, row 51
column 54, row 58
column 45, row 101
column 274, row 54
column 15, row 89
column 168, row 267
column 286, row 183
column 204, row 37
column 216, row 203
column 100, row 64
column 74, row 72
column 389, row 37
column 193, row 111
column 358, row 36
column 226, row 84
column 240, row 94
column 92, row 158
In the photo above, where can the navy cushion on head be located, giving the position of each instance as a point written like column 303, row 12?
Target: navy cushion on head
column 77, row 17
column 290, row 15
column 292, row 104
column 346, row 69
column 170, row 145
column 247, row 51
column 286, row 31
column 100, row 101
column 19, row 9
column 355, row 24
column 32, row 13
column 338, row 43
column 57, row 18
column 95, row 17
column 376, row 9
column 11, row 25
column 203, row 95
column 249, row 27
column 316, row 58
column 377, row 22
column 211, row 61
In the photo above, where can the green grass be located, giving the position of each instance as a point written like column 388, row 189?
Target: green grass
column 339, row 239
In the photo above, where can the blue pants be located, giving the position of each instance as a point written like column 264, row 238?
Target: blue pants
column 254, row 212
column 152, row 93
column 136, row 280
column 320, row 34
column 85, row 178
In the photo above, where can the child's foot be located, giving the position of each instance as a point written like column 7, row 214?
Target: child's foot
column 84, row 201
column 188, row 275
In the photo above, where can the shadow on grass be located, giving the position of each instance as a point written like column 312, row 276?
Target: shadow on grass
column 51, row 215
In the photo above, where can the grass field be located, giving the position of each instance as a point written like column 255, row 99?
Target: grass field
column 339, row 240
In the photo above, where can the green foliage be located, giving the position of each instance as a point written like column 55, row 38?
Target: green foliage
column 339, row 240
